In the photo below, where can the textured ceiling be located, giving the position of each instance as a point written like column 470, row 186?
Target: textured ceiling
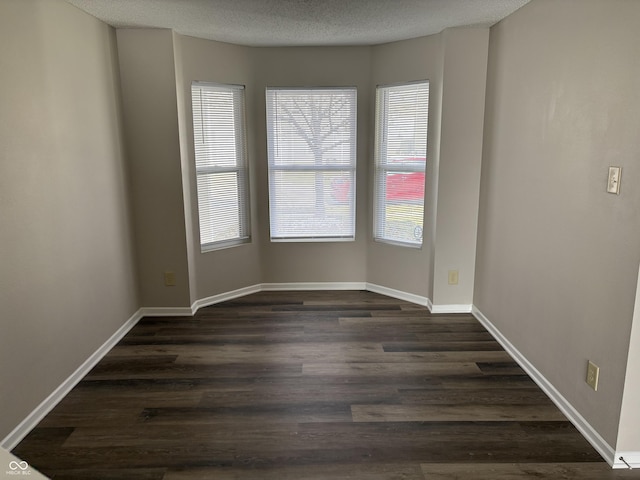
column 301, row 22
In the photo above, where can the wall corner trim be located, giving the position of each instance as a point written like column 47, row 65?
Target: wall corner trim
column 592, row 436
column 632, row 458
column 461, row 308
column 29, row 423
column 223, row 297
column 166, row 311
column 400, row 295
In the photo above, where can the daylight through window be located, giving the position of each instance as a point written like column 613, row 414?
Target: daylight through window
column 400, row 161
column 221, row 164
column 312, row 163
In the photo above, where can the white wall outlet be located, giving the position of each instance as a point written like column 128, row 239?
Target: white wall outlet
column 453, row 277
column 593, row 373
column 613, row 183
column 170, row 279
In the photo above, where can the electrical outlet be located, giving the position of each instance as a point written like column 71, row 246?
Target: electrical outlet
column 453, row 277
column 170, row 279
column 613, row 183
column 593, row 372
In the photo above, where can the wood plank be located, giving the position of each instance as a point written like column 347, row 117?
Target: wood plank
column 411, row 320
column 110, row 474
column 279, row 394
column 349, row 353
column 392, row 369
column 454, row 413
column 475, row 396
column 442, row 345
column 227, row 370
column 376, row 471
column 519, row 471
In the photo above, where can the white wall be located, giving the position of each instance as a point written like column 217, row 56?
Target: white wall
column 629, row 431
column 225, row 270
column 67, row 259
column 557, row 258
column 308, row 66
column 464, row 73
column 172, row 62
column 392, row 266
column 147, row 70
column 455, row 63
column 557, row 255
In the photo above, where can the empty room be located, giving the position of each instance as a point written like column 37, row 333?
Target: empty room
column 307, row 239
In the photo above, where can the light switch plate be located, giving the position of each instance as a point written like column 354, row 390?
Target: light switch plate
column 613, row 182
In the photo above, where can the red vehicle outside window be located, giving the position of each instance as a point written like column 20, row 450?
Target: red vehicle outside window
column 401, row 186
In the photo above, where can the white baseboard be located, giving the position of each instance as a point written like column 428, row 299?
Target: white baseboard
column 400, row 295
column 461, row 308
column 592, row 436
column 223, row 297
column 166, row 311
column 631, row 458
column 29, row 423
column 430, row 305
column 274, row 287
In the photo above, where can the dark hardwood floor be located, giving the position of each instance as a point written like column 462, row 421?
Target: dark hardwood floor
column 310, row 385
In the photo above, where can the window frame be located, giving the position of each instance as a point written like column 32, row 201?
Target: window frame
column 241, row 167
column 272, row 168
column 382, row 165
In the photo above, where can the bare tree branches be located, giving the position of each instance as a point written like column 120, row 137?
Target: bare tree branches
column 319, row 119
column 314, row 120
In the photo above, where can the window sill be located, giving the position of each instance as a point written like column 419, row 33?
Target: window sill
column 313, row 240
column 415, row 246
column 212, row 247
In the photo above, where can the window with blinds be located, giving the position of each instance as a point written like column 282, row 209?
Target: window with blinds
column 311, row 136
column 221, row 164
column 400, row 161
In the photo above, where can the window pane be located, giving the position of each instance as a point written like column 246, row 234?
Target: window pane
column 400, row 157
column 406, row 123
column 219, row 220
column 403, row 206
column 312, row 157
column 215, row 136
column 321, row 208
column 220, row 156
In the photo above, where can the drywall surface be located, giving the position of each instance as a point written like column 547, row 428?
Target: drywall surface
column 227, row 269
column 629, row 433
column 147, row 70
column 557, row 257
column 433, row 166
column 404, row 268
column 464, row 72
column 67, row 258
column 190, row 223
column 309, row 67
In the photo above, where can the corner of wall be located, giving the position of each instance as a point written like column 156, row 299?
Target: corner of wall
column 150, row 107
column 464, row 74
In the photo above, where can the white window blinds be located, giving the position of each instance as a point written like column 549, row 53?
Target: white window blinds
column 311, row 137
column 400, row 160
column 221, row 164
